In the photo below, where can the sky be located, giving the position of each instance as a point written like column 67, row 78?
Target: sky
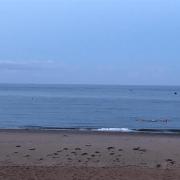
column 90, row 41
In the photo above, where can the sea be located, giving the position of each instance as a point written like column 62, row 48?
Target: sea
column 90, row 107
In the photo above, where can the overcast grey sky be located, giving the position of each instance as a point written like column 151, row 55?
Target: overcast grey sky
column 90, row 41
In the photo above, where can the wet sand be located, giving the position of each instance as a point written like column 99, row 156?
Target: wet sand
column 72, row 155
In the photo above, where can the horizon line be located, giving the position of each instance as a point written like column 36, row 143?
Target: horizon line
column 86, row 84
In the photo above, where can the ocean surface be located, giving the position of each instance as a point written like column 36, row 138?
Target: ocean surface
column 96, row 107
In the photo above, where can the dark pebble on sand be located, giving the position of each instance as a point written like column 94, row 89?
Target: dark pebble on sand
column 136, row 148
column 169, row 160
column 97, row 152
column 109, row 148
column 27, row 155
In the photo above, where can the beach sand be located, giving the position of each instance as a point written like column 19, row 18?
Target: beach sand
column 73, row 155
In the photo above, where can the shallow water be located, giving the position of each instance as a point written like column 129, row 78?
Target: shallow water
column 89, row 106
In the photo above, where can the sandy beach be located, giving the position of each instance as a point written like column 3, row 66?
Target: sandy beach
column 73, row 155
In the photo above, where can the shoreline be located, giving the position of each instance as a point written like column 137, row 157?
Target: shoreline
column 41, row 154
column 86, row 131
column 96, row 130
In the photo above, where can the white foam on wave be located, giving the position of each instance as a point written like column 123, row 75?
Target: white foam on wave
column 116, row 129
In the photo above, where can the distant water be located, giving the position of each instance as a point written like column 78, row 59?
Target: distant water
column 99, row 107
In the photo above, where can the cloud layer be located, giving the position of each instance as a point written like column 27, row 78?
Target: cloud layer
column 25, row 65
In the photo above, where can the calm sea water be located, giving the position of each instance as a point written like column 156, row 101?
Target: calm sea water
column 89, row 106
